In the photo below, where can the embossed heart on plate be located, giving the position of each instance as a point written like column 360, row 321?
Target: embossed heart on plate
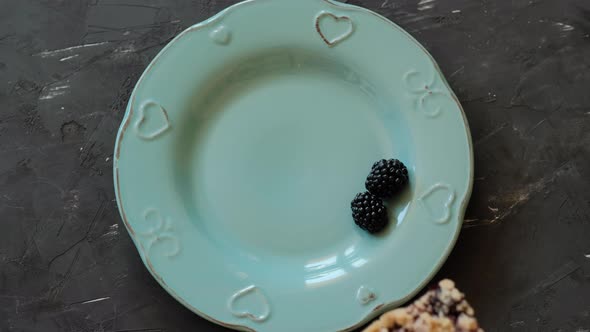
column 152, row 122
column 221, row 35
column 365, row 294
column 253, row 300
column 333, row 29
column 437, row 201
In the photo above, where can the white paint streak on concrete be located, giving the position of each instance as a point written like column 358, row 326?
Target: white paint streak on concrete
column 517, row 323
column 425, row 4
column 96, row 300
column 129, row 48
column 564, row 27
column 113, row 231
column 54, row 91
column 46, row 54
column 69, row 57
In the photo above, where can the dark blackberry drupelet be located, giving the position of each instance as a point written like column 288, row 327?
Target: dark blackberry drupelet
column 387, row 177
column 368, row 212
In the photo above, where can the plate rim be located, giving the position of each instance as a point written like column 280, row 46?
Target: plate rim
column 213, row 19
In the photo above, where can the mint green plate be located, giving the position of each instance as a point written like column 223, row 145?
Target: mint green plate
column 246, row 139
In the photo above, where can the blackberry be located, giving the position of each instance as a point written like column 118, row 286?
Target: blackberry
column 387, row 177
column 368, row 212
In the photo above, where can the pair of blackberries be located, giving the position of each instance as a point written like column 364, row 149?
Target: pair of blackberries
column 387, row 177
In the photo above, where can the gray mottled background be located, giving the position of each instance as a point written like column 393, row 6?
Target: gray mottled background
column 521, row 69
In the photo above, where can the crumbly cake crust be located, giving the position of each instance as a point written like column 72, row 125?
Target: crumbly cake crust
column 442, row 309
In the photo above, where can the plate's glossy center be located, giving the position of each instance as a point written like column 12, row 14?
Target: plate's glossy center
column 283, row 151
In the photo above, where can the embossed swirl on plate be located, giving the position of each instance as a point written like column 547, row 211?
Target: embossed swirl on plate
column 422, row 86
column 154, row 116
column 327, row 21
column 255, row 294
column 439, row 209
column 160, row 233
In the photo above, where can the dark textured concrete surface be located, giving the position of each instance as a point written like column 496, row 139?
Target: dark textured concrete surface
column 521, row 69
